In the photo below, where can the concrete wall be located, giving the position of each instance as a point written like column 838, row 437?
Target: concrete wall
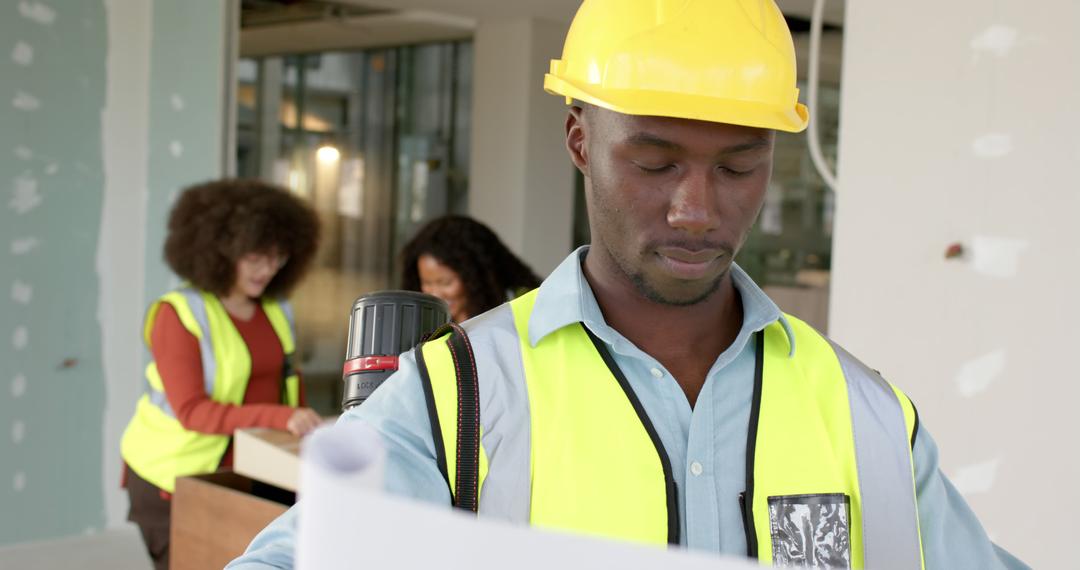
column 959, row 123
column 521, row 179
column 92, row 147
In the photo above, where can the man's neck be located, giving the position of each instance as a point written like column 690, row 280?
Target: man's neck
column 686, row 339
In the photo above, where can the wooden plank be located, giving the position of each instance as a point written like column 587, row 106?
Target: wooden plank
column 267, row 455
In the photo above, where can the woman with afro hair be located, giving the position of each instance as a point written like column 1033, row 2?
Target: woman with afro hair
column 221, row 345
column 462, row 262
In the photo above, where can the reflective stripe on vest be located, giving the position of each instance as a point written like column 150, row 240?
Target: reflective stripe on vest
column 155, row 445
column 890, row 519
column 854, row 432
column 190, row 308
column 828, row 448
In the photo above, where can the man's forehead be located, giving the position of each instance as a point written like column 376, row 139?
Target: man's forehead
column 661, row 131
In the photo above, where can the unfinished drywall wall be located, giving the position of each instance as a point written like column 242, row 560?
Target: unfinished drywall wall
column 53, row 389
column 959, row 125
column 188, row 95
column 92, row 147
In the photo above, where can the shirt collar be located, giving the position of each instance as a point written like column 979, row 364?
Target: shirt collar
column 565, row 298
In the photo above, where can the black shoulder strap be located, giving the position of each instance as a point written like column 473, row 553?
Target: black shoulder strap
column 467, row 472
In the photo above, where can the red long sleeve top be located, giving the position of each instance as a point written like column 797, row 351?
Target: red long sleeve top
column 176, row 353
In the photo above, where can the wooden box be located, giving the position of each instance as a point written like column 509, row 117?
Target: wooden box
column 215, row 516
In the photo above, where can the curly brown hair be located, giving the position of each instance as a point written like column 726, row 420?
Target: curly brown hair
column 214, row 224
column 487, row 268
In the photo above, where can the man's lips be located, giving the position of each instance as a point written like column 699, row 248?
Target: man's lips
column 689, row 264
column 691, row 256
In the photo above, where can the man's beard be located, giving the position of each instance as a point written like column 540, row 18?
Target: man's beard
column 651, row 293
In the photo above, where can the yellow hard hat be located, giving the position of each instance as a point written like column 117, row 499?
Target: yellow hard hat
column 724, row 61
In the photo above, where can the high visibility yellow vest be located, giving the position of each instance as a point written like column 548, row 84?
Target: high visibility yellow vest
column 828, row 454
column 155, row 445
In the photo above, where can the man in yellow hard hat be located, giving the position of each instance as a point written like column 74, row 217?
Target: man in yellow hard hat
column 649, row 390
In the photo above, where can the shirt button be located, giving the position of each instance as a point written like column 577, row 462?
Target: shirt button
column 696, row 469
column 657, row 373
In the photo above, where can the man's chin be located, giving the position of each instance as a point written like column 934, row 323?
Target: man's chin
column 677, row 293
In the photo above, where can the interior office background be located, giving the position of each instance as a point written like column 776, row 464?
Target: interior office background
column 387, row 113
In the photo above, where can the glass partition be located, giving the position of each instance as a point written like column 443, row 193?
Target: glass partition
column 377, row 141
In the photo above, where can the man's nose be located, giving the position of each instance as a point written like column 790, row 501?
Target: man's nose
column 693, row 206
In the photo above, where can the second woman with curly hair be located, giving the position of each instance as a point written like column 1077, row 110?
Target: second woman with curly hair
column 222, row 344
column 463, row 262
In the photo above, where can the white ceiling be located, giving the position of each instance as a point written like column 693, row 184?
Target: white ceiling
column 561, row 10
column 413, row 21
column 557, row 10
column 358, row 32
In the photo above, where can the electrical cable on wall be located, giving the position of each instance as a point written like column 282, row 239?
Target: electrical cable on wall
column 817, row 21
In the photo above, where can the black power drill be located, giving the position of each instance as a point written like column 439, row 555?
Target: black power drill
column 383, row 325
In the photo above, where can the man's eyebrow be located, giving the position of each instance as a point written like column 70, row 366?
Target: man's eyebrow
column 648, row 139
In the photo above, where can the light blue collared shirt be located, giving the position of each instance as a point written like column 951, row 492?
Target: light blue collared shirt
column 706, row 444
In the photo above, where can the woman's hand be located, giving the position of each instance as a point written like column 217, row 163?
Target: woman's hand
column 303, row 420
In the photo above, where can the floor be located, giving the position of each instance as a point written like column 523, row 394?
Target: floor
column 117, row 549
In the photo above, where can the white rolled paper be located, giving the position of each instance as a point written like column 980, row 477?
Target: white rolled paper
column 347, row 521
column 337, row 465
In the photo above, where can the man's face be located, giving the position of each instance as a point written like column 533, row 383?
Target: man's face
column 670, row 200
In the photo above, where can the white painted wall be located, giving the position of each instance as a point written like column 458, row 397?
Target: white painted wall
column 121, row 245
column 960, row 123
column 521, row 179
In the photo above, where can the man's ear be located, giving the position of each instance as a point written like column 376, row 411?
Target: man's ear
column 575, row 139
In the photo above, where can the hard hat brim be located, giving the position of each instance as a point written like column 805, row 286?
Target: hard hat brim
column 792, row 119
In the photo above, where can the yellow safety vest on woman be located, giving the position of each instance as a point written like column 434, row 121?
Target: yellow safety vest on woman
column 829, row 479
column 155, row 445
